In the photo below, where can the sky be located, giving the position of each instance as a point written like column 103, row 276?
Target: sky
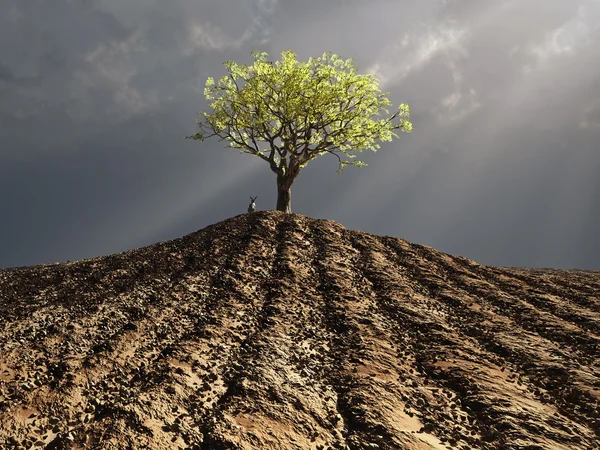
column 502, row 166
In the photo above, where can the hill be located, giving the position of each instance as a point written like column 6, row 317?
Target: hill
column 279, row 331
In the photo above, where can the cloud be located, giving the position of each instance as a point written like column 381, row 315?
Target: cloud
column 458, row 104
column 418, row 55
column 412, row 51
column 591, row 117
column 261, row 12
column 120, row 82
column 456, row 107
column 565, row 39
column 112, row 66
column 205, row 35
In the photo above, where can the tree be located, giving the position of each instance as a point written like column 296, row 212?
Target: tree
column 301, row 111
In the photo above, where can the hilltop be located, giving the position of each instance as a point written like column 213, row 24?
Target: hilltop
column 279, row 331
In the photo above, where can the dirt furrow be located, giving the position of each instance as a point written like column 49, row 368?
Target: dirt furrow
column 558, row 303
column 512, row 310
column 279, row 355
column 201, row 357
column 275, row 330
column 584, row 292
column 583, row 351
column 216, row 426
column 115, row 367
column 424, row 342
column 151, row 367
column 371, row 396
column 521, row 352
column 467, row 372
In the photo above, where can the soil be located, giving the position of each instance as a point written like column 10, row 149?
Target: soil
column 278, row 331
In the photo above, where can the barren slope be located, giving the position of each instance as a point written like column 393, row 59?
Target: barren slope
column 284, row 332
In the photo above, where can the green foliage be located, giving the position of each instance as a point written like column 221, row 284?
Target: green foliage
column 318, row 107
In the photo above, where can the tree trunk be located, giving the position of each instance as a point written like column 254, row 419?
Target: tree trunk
column 284, row 195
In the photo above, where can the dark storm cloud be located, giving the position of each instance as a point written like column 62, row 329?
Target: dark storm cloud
column 96, row 95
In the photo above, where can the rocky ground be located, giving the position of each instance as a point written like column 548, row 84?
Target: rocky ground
column 279, row 331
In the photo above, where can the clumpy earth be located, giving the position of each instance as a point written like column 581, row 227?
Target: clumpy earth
column 278, row 331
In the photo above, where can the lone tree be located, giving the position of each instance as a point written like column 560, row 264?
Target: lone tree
column 301, row 111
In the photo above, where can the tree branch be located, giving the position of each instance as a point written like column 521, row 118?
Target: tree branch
column 337, row 156
column 234, row 82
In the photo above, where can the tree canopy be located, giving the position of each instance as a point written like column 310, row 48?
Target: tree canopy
column 290, row 112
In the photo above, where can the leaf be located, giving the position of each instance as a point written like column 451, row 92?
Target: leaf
column 315, row 107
